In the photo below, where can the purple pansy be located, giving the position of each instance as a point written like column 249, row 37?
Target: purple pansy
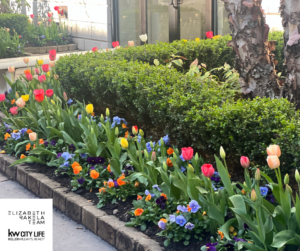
column 95, row 160
column 238, row 239
column 180, row 220
column 162, row 225
column 189, row 226
column 194, row 206
column 59, row 155
column 81, row 180
column 46, row 143
column 161, row 201
column 53, row 142
column 172, row 218
column 211, row 246
column 182, row 209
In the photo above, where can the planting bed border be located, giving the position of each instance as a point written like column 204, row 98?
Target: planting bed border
column 44, row 49
column 108, row 227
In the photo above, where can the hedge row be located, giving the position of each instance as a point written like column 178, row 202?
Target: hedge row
column 203, row 113
column 17, row 22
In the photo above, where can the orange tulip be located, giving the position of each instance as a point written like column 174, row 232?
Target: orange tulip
column 170, row 151
column 273, row 161
column 169, row 162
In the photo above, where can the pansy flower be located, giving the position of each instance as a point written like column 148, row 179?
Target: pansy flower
column 95, row 160
column 264, row 191
column 182, row 209
column 189, row 226
column 211, row 246
column 180, row 220
column 156, row 187
column 194, row 206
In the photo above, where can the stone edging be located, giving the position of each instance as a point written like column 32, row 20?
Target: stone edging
column 108, row 227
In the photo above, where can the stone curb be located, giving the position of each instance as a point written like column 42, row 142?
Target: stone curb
column 108, row 227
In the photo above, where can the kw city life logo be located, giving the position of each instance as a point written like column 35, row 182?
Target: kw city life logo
column 33, row 218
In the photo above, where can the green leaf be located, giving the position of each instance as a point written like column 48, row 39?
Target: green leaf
column 284, row 238
column 225, row 228
column 224, row 176
column 28, row 159
column 238, row 202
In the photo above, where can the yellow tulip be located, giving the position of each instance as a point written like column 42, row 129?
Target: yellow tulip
column 124, row 143
column 89, row 108
column 48, row 74
column 216, row 37
column 197, row 39
column 184, row 40
column 40, row 62
column 25, row 97
column 52, row 102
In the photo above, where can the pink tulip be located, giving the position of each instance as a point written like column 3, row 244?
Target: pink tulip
column 29, row 76
column 209, row 34
column 115, row 44
column 245, row 162
column 11, row 69
column 14, row 110
column 49, row 14
column 2, row 97
column 20, row 102
column 273, row 161
column 153, row 156
column 52, row 64
column 130, row 43
column 37, row 71
column 45, row 67
column 26, row 60
column 187, row 153
column 42, row 78
column 207, row 170
column 95, row 49
column 274, row 150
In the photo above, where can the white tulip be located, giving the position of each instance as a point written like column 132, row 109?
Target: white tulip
column 144, row 38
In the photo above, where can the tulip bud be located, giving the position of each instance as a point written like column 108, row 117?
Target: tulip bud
column 102, row 118
column 52, row 64
column 146, row 154
column 257, row 175
column 117, row 131
column 52, row 102
column 162, row 142
column 151, row 144
column 165, row 166
column 153, row 156
column 245, row 162
column 26, row 60
column 286, row 179
column 107, row 112
column 174, row 156
column 288, row 189
column 11, row 69
column 297, row 176
column 190, row 168
column 56, row 77
column 222, row 153
column 196, row 157
column 17, row 95
column 65, row 96
column 253, row 195
column 141, row 132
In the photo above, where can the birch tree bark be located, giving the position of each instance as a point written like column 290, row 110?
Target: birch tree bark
column 290, row 13
column 254, row 58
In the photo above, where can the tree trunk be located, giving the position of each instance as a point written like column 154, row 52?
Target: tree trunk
column 290, row 13
column 254, row 60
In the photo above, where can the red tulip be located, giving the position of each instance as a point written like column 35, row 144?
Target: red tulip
column 29, row 76
column 49, row 20
column 62, row 12
column 209, row 34
column 45, row 67
column 52, row 55
column 187, row 153
column 49, row 14
column 39, row 95
column 42, row 78
column 207, row 170
column 14, row 110
column 2, row 97
column 95, row 49
column 32, row 16
column 245, row 162
column 58, row 11
column 115, row 44
column 56, row 8
column 49, row 93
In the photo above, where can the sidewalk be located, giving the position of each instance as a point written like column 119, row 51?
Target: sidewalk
column 66, row 235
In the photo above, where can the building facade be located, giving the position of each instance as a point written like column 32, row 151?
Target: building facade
column 96, row 23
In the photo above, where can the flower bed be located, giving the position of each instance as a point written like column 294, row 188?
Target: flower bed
column 174, row 190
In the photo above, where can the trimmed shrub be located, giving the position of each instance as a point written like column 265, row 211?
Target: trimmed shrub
column 193, row 111
column 17, row 22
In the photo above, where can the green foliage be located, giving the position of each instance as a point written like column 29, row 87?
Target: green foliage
column 279, row 52
column 15, row 22
column 10, row 46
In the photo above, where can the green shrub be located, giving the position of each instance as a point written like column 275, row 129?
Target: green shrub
column 17, row 22
column 279, row 52
column 201, row 113
column 10, row 46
